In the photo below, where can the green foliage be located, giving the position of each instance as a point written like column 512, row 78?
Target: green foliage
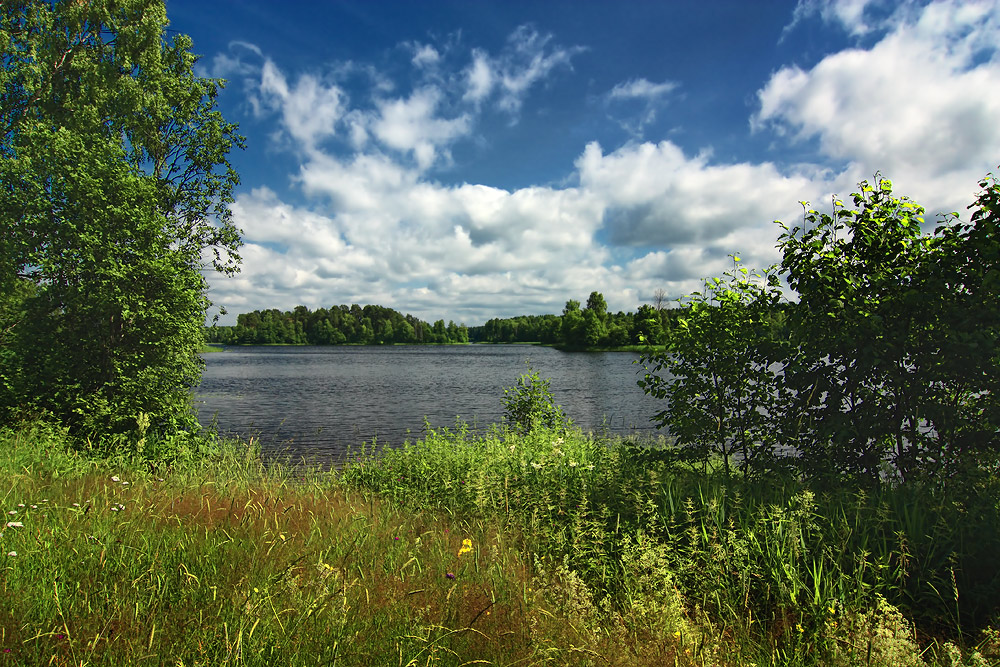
column 885, row 367
column 621, row 534
column 896, row 361
column 529, row 405
column 113, row 164
column 339, row 325
column 716, row 371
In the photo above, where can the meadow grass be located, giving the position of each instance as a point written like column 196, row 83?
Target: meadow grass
column 503, row 548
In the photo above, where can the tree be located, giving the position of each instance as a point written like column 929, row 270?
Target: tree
column 660, row 299
column 116, row 192
column 572, row 333
column 717, row 374
column 896, row 364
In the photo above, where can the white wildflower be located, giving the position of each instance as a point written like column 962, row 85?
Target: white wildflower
column 572, row 463
column 12, row 512
column 15, row 524
column 115, row 479
column 11, row 553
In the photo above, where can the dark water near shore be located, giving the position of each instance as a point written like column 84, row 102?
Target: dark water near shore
column 318, row 401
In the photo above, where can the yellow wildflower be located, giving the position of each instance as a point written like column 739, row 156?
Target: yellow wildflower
column 466, row 547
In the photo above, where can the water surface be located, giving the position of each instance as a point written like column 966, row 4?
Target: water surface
column 318, row 401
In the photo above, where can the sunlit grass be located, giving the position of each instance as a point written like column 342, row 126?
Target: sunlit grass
column 552, row 547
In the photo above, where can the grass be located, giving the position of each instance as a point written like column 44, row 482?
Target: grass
column 507, row 549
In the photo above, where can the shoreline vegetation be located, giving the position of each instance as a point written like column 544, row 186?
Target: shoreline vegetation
column 520, row 546
column 591, row 328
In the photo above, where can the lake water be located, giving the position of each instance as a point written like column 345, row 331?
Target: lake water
column 318, row 401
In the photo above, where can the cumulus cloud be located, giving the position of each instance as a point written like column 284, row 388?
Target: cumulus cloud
column 414, row 126
column 920, row 105
column 654, row 195
column 372, row 225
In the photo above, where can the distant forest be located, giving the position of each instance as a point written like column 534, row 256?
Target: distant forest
column 577, row 327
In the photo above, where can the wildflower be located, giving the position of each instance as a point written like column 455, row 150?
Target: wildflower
column 536, row 466
column 798, row 626
column 15, row 524
column 466, row 547
column 20, row 504
column 115, row 479
column 450, row 575
column 559, row 441
column 34, row 507
column 76, row 504
column 677, row 634
column 125, row 483
column 572, row 463
column 590, row 467
column 114, row 509
column 11, row 553
column 12, row 512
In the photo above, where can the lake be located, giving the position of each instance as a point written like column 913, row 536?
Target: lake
column 318, row 401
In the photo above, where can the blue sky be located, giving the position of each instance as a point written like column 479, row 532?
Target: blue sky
column 466, row 160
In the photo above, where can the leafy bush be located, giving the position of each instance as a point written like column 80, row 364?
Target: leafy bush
column 530, row 404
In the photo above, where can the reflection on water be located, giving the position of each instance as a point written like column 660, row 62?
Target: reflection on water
column 318, row 401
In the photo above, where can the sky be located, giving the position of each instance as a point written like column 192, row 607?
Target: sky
column 475, row 159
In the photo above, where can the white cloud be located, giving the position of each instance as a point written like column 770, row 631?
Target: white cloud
column 849, row 14
column 642, row 88
column 310, row 109
column 233, row 63
column 920, row 105
column 526, row 61
column 654, row 195
column 479, row 77
column 425, row 56
column 412, row 125
column 650, row 96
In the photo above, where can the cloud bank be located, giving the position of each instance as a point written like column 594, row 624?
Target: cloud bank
column 373, row 218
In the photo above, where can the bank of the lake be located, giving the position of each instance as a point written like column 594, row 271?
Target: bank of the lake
column 551, row 547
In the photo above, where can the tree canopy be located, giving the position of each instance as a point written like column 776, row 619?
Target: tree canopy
column 885, row 366
column 116, row 191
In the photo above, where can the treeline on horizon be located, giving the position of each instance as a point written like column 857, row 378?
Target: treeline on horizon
column 589, row 326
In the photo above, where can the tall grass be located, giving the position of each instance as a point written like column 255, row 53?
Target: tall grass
column 549, row 547
column 813, row 576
